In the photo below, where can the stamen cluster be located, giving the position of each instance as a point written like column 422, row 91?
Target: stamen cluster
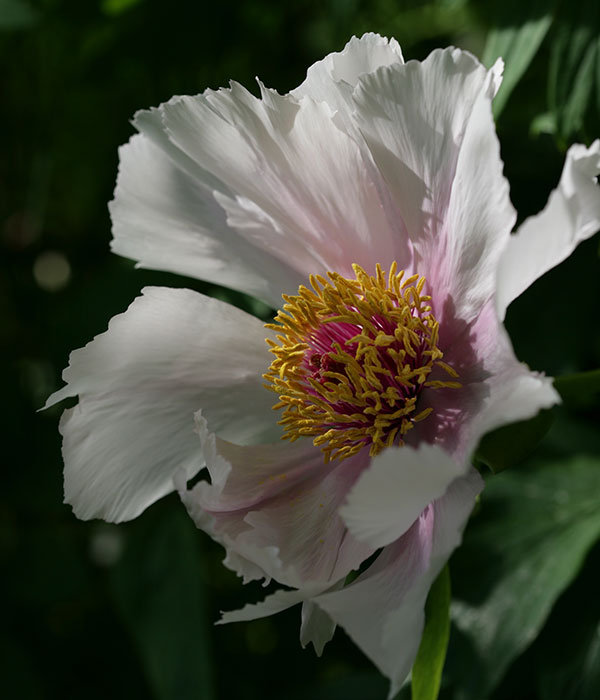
column 352, row 357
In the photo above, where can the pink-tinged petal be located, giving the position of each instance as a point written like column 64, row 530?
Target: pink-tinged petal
column 413, row 118
column 389, row 630
column 463, row 258
column 332, row 79
column 429, row 129
column 139, row 385
column 395, row 489
column 166, row 217
column 542, row 241
column 276, row 505
column 496, row 388
column 294, row 183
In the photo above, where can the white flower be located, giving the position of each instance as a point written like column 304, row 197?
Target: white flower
column 371, row 161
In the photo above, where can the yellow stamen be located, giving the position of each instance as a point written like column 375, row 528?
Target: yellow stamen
column 351, row 359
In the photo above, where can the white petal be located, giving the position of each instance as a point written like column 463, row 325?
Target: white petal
column 317, row 628
column 276, row 506
column 413, row 118
column 429, row 129
column 333, row 78
column 295, row 183
column 463, row 261
column 513, row 393
column 272, row 604
column 139, row 384
column 383, row 610
column 395, row 489
column 165, row 216
column 542, row 241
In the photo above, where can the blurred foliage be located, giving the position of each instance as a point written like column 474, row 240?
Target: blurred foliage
column 97, row 611
column 516, row 32
column 526, row 545
column 510, row 444
column 158, row 588
column 16, row 14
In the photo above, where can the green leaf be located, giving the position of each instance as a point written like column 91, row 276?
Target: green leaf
column 509, row 445
column 516, row 36
column 579, row 390
column 19, row 677
column 158, row 589
column 427, row 670
column 567, row 653
column 16, row 14
column 543, row 124
column 521, row 551
column 112, row 8
column 345, row 686
column 573, row 61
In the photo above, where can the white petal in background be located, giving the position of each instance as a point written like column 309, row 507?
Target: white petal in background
column 542, row 241
column 316, row 625
column 140, row 383
column 389, row 633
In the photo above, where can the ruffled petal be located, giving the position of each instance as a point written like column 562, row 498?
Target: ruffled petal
column 257, row 194
column 429, row 129
column 275, row 506
column 394, row 490
column 139, row 385
column 462, row 260
column 542, row 241
column 332, row 79
column 294, row 183
column 389, row 631
column 166, row 217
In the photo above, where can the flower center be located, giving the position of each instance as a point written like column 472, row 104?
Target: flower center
column 351, row 359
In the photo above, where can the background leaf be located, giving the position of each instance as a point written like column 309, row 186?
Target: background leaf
column 17, row 14
column 518, row 29
column 523, row 549
column 509, row 445
column 579, row 389
column 568, row 651
column 573, row 66
column 159, row 590
column 428, row 666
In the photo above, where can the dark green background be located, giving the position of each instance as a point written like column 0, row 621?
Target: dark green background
column 97, row 611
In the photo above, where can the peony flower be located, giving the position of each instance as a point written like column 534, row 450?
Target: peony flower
column 372, row 198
